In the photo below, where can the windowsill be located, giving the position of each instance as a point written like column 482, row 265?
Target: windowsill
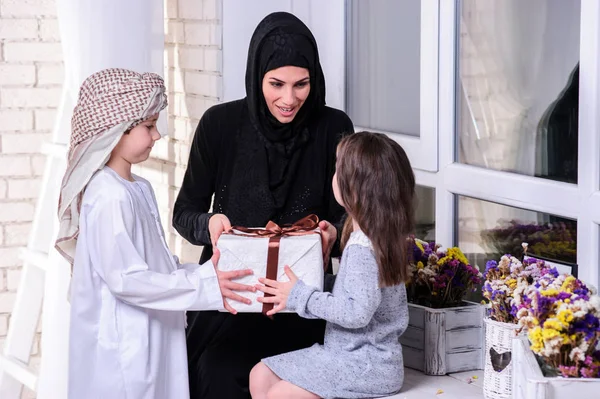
column 453, row 386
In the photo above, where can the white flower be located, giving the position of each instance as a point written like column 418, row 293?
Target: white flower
column 577, row 354
column 522, row 313
column 595, row 302
column 504, row 262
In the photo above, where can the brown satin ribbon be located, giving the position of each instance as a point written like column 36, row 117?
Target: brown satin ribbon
column 304, row 226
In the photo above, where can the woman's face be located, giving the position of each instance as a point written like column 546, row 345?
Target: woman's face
column 285, row 90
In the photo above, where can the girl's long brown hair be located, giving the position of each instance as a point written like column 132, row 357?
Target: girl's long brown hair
column 377, row 186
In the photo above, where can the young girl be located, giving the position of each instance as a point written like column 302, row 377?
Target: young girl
column 128, row 292
column 366, row 312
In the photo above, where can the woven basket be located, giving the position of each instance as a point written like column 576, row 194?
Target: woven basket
column 499, row 336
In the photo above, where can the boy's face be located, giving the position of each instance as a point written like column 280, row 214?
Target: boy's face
column 136, row 145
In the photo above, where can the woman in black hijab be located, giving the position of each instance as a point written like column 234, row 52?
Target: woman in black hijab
column 269, row 156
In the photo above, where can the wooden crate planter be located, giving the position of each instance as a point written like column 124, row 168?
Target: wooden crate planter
column 530, row 383
column 441, row 341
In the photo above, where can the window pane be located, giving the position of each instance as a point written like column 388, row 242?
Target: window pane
column 487, row 230
column 383, row 74
column 425, row 213
column 518, row 86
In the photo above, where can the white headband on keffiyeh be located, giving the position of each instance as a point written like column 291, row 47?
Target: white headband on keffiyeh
column 110, row 103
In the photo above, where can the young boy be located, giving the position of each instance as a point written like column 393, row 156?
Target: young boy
column 128, row 292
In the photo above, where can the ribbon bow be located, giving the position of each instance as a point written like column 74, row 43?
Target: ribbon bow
column 304, row 226
column 274, row 232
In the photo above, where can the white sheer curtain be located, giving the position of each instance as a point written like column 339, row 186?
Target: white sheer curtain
column 539, row 43
column 94, row 35
column 515, row 60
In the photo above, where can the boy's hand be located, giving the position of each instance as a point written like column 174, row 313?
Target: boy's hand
column 279, row 291
column 228, row 287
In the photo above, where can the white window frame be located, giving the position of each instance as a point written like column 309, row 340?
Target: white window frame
column 577, row 201
column 433, row 153
column 422, row 150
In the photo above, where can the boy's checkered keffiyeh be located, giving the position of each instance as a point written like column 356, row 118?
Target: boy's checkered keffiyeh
column 110, row 103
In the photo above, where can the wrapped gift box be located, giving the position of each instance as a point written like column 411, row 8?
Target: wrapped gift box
column 242, row 250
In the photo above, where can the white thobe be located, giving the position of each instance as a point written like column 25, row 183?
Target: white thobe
column 128, row 297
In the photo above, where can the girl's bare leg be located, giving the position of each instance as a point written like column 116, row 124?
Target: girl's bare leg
column 262, row 380
column 287, row 390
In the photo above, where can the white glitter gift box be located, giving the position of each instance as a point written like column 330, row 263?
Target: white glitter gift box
column 297, row 246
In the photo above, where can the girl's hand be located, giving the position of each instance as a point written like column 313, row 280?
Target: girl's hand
column 328, row 235
column 279, row 291
column 217, row 224
column 228, row 287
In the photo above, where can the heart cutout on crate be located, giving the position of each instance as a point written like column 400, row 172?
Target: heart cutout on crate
column 500, row 360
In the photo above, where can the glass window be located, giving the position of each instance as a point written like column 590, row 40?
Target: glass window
column 383, row 68
column 425, row 213
column 487, row 230
column 518, row 86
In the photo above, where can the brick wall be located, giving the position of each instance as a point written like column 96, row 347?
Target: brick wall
column 30, row 83
column 193, row 78
column 31, row 74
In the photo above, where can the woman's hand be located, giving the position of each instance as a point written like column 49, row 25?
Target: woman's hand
column 328, row 235
column 279, row 291
column 217, row 224
column 228, row 287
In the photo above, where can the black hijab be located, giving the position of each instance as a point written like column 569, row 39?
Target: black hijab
column 281, row 39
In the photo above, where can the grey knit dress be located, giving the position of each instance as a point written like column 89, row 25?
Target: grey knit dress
column 361, row 357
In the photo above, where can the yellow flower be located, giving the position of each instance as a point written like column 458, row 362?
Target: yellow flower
column 454, row 253
column 549, row 333
column 537, row 342
column 420, row 265
column 565, row 316
column 512, row 283
column 566, row 285
column 553, row 324
column 549, row 292
column 566, row 340
column 420, row 246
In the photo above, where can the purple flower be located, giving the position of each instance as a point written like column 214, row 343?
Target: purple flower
column 590, row 326
column 590, row 372
column 428, row 251
column 495, row 294
column 581, row 291
column 487, row 287
column 568, row 371
column 417, row 254
column 545, row 303
column 563, row 295
column 491, row 264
